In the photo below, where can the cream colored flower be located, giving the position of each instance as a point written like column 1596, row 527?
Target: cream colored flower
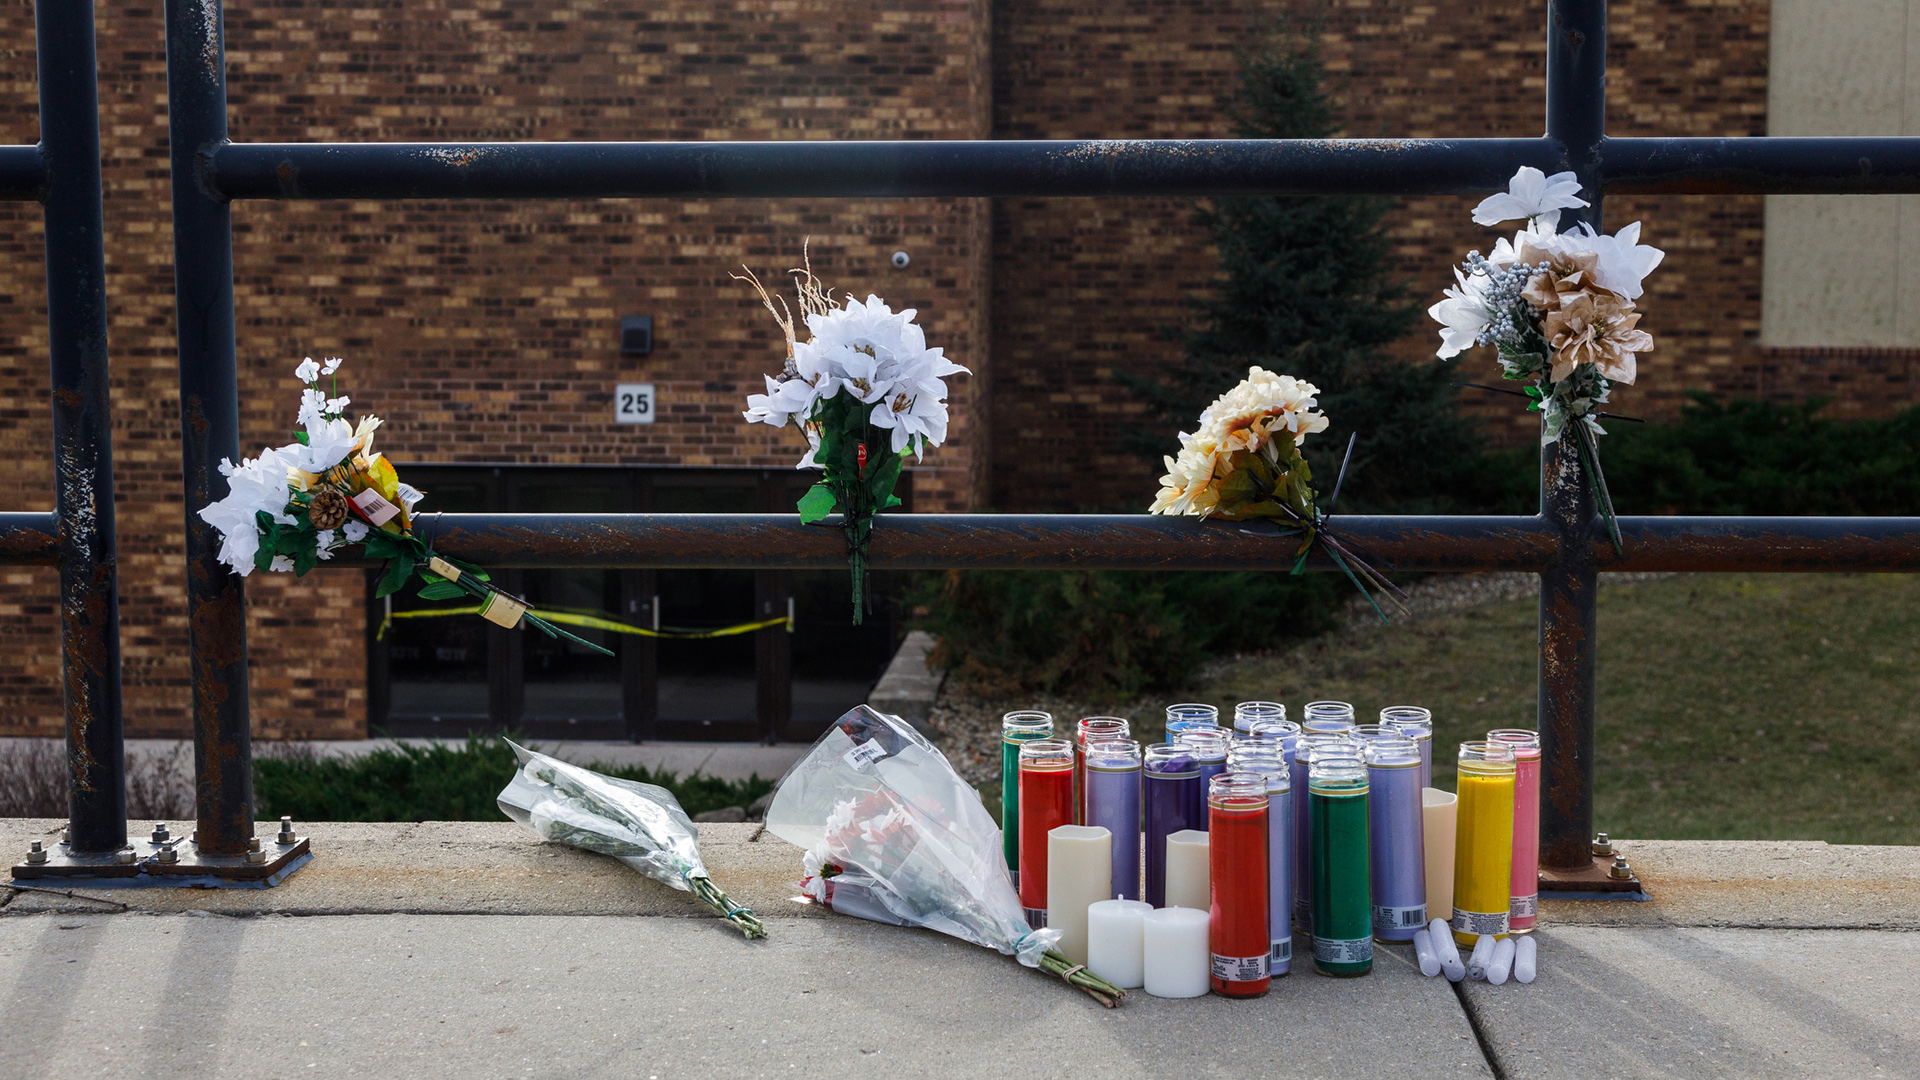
column 1595, row 328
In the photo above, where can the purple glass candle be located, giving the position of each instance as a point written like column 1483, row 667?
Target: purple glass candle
column 1209, row 749
column 1247, row 713
column 1188, row 715
column 1396, row 847
column 1415, row 723
column 1173, row 799
column 1113, row 803
column 1326, row 716
column 1268, row 759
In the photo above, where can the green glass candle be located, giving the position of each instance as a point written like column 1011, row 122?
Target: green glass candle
column 1016, row 728
column 1337, row 839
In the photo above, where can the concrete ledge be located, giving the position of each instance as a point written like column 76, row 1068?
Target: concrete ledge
column 909, row 687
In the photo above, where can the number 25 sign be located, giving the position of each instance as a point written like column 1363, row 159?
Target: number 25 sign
column 633, row 403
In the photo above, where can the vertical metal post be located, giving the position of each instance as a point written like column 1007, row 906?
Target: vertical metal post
column 209, row 423
column 82, row 424
column 1576, row 117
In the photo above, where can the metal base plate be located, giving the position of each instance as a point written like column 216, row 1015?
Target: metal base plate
column 1587, row 879
column 192, row 863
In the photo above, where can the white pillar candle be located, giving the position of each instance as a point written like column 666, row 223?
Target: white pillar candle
column 1188, row 882
column 1502, row 961
column 1178, row 960
column 1079, row 874
column 1525, row 955
column 1439, row 810
column 1116, row 942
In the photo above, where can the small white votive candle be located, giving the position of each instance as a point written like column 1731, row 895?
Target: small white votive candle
column 1189, row 884
column 1177, row 959
column 1525, row 956
column 1079, row 873
column 1502, row 961
column 1116, row 942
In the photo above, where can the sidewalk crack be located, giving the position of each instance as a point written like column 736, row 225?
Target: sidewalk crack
column 1479, row 1034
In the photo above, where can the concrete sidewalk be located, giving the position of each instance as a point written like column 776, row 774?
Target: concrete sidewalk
column 457, row 949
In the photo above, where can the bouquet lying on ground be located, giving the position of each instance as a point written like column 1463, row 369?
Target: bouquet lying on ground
column 639, row 824
column 294, row 506
column 1559, row 310
column 864, row 390
column 1243, row 463
column 891, row 833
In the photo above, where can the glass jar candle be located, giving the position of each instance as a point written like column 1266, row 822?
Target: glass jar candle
column 1524, row 905
column 1190, row 714
column 1337, row 847
column 1113, row 803
column 1172, row 798
column 1272, row 730
column 1087, row 730
column 1415, row 723
column 1397, row 859
column 1483, row 842
column 1016, row 728
column 1209, row 747
column 1237, row 884
column 1268, row 760
column 1370, row 732
column 1327, row 716
column 1247, row 712
column 1046, row 803
column 1302, row 749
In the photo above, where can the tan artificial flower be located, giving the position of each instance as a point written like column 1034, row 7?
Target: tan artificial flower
column 1595, row 327
column 1567, row 276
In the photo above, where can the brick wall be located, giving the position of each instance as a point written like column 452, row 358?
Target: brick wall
column 485, row 331
column 480, row 331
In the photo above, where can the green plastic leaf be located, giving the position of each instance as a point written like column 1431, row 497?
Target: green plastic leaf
column 885, row 474
column 301, row 438
column 383, row 545
column 817, row 503
column 442, row 590
column 398, row 571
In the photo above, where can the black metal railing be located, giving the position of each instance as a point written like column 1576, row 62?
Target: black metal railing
column 1562, row 543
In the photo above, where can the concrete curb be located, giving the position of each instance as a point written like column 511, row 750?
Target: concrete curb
column 909, row 687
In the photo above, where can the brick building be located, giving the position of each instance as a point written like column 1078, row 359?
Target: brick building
column 487, row 333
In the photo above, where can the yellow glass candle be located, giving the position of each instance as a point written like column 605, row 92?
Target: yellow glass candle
column 1483, row 842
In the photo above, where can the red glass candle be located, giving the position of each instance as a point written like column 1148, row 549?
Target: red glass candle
column 1046, row 803
column 1237, row 875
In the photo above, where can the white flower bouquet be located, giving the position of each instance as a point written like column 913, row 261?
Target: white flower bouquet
column 1558, row 308
column 295, row 506
column 892, row 834
column 642, row 825
column 863, row 390
column 1243, row 463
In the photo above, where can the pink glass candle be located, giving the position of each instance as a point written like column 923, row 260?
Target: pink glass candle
column 1525, row 905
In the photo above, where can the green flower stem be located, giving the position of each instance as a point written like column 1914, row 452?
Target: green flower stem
column 710, row 894
column 1102, row 991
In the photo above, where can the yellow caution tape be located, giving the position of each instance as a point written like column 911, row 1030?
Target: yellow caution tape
column 592, row 621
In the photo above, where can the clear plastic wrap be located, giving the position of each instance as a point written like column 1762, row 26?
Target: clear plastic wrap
column 892, row 834
column 642, row 825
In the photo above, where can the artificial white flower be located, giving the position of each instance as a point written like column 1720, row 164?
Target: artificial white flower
column 329, row 442
column 255, row 485
column 281, row 565
column 1624, row 260
column 767, row 408
column 916, row 416
column 860, row 375
column 324, row 540
column 313, row 404
column 355, row 531
column 1463, row 315
column 336, row 406
column 332, row 365
column 307, row 372
column 1533, row 195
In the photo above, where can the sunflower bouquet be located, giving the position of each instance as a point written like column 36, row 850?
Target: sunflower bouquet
column 1558, row 308
column 295, row 506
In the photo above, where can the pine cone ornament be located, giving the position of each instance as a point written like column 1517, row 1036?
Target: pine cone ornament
column 328, row 510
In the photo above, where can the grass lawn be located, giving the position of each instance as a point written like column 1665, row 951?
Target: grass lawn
column 1731, row 706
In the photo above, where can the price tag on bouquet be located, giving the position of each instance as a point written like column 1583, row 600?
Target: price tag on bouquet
column 864, row 754
column 375, row 506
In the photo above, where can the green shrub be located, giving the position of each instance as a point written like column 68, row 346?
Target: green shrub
column 1109, row 635
column 439, row 782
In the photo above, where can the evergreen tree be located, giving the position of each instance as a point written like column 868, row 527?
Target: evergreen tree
column 1304, row 291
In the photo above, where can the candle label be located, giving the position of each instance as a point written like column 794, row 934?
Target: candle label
column 1333, row 951
column 864, row 754
column 1240, row 968
column 1399, row 918
column 1479, row 923
column 1525, row 907
column 1282, row 952
column 1036, row 917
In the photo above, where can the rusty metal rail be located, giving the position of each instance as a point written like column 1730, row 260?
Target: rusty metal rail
column 209, row 172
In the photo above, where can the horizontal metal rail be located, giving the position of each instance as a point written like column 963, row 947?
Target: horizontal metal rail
column 23, row 173
column 1145, row 542
column 1776, row 165
column 29, row 538
column 794, row 169
column 1192, row 167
